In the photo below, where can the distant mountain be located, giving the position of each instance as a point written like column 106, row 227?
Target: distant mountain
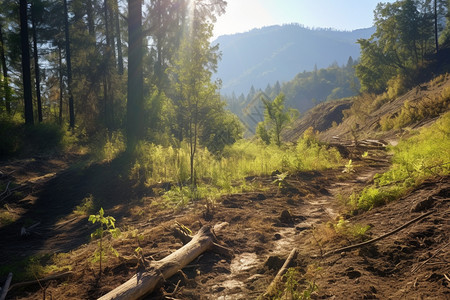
column 277, row 53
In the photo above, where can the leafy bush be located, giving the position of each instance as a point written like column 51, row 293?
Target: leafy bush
column 11, row 133
column 19, row 139
column 106, row 145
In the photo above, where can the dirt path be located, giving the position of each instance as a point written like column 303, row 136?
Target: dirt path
column 263, row 239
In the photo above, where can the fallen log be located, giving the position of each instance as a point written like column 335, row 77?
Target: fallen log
column 273, row 285
column 145, row 281
column 6, row 286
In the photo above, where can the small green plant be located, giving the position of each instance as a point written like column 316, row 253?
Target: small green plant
column 353, row 231
column 293, row 289
column 349, row 168
column 281, row 180
column 86, row 207
column 107, row 225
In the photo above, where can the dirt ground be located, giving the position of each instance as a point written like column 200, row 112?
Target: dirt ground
column 263, row 227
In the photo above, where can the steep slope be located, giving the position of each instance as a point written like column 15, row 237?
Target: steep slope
column 265, row 55
column 366, row 115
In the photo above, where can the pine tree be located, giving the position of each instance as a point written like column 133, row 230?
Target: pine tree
column 26, row 71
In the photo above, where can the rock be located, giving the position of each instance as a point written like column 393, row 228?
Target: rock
column 274, row 262
column 423, row 205
column 286, row 217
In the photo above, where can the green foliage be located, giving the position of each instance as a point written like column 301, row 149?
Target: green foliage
column 353, row 231
column 428, row 107
column 262, row 133
column 18, row 139
column 303, row 92
column 276, row 118
column 312, row 155
column 424, row 155
column 86, row 207
column 36, row 266
column 217, row 175
column 106, row 146
column 294, row 289
column 106, row 226
column 403, row 37
column 11, row 135
column 348, row 168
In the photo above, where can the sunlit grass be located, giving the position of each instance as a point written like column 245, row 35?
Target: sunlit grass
column 215, row 175
column 420, row 157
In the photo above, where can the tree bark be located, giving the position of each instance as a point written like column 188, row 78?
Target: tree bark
column 26, row 72
column 60, row 86
column 144, row 282
column 90, row 18
column 135, row 93
column 36, row 65
column 5, row 74
column 69, row 67
column 118, row 39
column 436, row 38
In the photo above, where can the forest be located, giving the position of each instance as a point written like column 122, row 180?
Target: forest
column 116, row 146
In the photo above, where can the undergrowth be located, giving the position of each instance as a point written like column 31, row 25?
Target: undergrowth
column 429, row 107
column 422, row 156
column 156, row 164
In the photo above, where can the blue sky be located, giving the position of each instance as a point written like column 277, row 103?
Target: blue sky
column 244, row 15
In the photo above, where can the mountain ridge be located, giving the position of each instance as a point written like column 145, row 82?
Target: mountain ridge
column 279, row 52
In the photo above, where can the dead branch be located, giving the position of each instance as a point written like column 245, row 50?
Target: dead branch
column 427, row 260
column 378, row 238
column 273, row 285
column 145, row 281
column 40, row 281
column 6, row 286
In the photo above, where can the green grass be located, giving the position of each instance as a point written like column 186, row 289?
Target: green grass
column 215, row 176
column 424, row 155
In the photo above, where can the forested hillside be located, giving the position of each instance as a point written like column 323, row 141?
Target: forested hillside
column 277, row 53
column 304, row 91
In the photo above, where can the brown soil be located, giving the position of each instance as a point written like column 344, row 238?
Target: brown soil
column 264, row 226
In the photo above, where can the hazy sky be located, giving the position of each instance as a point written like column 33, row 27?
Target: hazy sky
column 244, row 15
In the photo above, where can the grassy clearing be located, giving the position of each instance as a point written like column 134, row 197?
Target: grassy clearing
column 216, row 175
column 422, row 156
column 226, row 174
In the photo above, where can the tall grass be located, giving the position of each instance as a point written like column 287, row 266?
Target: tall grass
column 422, row 156
column 245, row 158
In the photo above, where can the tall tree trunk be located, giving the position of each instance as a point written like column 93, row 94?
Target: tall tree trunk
column 135, row 74
column 118, row 39
column 6, row 89
column 436, row 38
column 26, row 72
column 36, row 66
column 107, row 62
column 69, row 68
column 60, row 86
column 90, row 18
